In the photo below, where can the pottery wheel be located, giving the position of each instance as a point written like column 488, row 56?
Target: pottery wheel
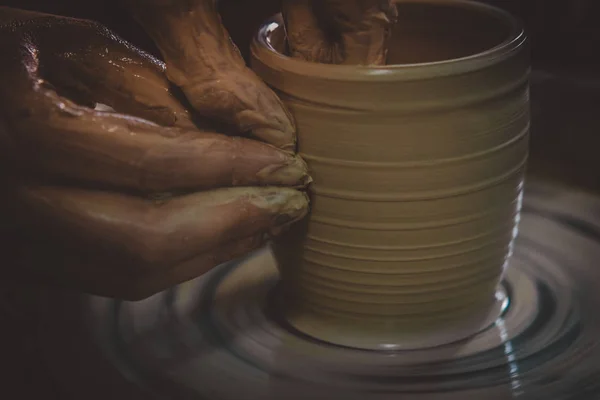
column 219, row 337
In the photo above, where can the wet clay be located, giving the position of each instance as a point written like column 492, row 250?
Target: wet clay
column 339, row 31
column 418, row 175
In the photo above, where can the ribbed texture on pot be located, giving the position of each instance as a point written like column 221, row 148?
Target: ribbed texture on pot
column 418, row 175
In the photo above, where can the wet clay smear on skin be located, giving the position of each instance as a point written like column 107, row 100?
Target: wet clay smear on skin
column 339, row 31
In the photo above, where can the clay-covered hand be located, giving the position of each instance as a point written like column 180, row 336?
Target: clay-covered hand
column 354, row 32
column 203, row 61
column 108, row 186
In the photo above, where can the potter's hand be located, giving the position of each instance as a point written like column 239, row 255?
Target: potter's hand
column 77, row 180
column 339, row 31
column 203, row 61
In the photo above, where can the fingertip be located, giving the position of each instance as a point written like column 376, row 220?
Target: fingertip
column 271, row 120
column 293, row 172
column 284, row 204
column 272, row 124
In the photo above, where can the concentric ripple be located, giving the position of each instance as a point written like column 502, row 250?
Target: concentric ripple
column 220, row 337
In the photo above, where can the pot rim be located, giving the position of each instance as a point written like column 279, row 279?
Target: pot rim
column 263, row 51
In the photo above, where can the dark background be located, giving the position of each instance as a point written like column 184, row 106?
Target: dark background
column 565, row 37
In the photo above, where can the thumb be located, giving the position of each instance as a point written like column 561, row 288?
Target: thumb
column 203, row 61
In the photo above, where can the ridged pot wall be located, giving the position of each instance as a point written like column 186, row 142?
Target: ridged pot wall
column 418, row 176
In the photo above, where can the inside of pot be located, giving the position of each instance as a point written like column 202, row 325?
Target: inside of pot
column 431, row 32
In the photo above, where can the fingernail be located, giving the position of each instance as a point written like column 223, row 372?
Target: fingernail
column 292, row 173
column 307, row 180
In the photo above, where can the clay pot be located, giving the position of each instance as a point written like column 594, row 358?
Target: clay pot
column 418, row 176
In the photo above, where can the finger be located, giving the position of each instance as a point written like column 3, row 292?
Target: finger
column 364, row 26
column 120, row 151
column 125, row 80
column 90, row 64
column 305, row 36
column 155, row 282
column 157, row 234
column 46, row 263
column 51, row 133
column 203, row 61
column 354, row 32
